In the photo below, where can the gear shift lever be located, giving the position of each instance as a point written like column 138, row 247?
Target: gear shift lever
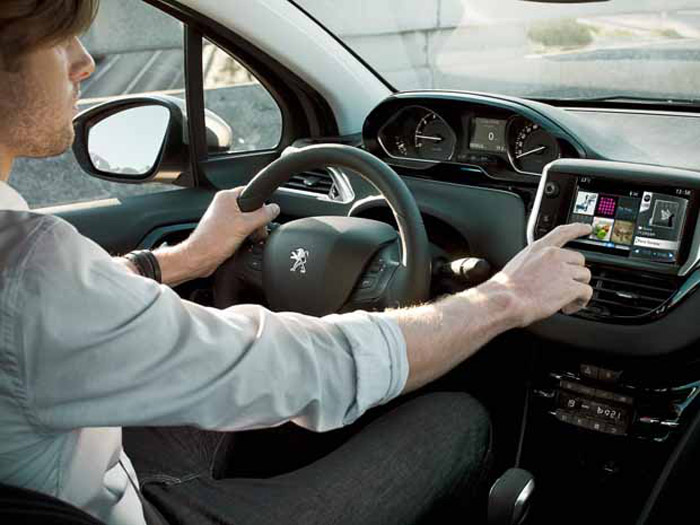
column 509, row 498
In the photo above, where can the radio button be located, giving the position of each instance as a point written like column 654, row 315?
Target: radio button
column 610, row 376
column 615, row 430
column 582, row 422
column 598, row 426
column 569, row 402
column 589, row 371
column 563, row 416
column 604, row 394
column 621, row 398
column 541, row 232
column 551, row 190
column 586, row 390
column 568, row 385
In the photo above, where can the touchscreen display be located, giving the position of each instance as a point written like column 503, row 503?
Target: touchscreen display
column 489, row 134
column 635, row 223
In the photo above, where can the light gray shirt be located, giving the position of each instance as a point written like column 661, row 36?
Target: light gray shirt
column 86, row 347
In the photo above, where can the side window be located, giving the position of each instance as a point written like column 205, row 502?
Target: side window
column 137, row 49
column 251, row 117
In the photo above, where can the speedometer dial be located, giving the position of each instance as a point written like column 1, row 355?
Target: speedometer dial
column 530, row 147
column 434, row 139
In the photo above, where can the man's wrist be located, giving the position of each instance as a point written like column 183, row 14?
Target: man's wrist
column 499, row 303
column 178, row 264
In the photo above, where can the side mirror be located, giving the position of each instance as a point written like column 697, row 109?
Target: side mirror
column 141, row 139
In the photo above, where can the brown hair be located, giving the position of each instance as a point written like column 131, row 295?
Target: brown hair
column 26, row 25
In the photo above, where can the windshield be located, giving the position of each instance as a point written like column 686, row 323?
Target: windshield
column 620, row 48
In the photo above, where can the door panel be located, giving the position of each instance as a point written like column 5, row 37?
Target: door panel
column 120, row 225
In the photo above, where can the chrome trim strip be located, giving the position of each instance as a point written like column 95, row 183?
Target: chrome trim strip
column 524, row 495
column 536, row 206
column 345, row 191
column 632, row 111
column 694, row 253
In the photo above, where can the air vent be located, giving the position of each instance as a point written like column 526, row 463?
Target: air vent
column 318, row 181
column 624, row 293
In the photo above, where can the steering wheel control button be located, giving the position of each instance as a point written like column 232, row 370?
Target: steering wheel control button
column 551, row 190
column 368, row 282
column 255, row 264
column 376, row 266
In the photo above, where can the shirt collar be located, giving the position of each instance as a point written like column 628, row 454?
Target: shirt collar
column 10, row 199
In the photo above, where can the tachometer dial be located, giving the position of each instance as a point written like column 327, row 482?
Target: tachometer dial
column 434, row 139
column 531, row 148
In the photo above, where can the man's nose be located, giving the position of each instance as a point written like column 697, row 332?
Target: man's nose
column 82, row 65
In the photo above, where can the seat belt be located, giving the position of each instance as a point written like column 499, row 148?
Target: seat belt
column 151, row 514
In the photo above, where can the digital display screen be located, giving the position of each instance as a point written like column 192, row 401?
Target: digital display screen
column 488, row 134
column 636, row 223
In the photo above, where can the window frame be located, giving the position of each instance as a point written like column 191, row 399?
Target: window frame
column 304, row 112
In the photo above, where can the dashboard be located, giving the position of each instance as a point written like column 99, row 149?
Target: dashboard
column 504, row 171
column 501, row 173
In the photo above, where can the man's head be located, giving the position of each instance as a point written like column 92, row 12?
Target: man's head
column 41, row 66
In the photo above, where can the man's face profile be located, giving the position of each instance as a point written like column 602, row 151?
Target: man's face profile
column 39, row 81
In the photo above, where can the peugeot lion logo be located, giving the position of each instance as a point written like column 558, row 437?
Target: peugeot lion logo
column 299, row 257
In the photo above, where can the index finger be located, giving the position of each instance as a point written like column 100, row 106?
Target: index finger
column 560, row 235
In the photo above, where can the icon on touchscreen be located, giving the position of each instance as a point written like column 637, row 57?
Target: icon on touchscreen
column 665, row 213
column 627, row 208
column 602, row 229
column 585, row 203
column 606, row 206
column 623, row 232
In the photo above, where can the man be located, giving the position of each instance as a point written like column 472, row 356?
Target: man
column 87, row 346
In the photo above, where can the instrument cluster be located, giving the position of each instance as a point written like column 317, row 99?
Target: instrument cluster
column 481, row 137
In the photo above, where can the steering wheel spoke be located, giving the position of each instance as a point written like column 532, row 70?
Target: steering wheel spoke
column 370, row 293
column 244, row 269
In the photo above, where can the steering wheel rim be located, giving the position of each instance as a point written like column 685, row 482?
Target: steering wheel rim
column 410, row 283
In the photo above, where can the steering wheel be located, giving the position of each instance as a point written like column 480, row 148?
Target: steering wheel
column 323, row 265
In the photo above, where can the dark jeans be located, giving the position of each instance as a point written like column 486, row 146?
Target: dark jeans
column 417, row 459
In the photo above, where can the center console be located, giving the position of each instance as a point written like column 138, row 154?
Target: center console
column 598, row 436
column 603, row 423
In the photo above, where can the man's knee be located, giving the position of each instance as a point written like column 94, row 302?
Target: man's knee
column 453, row 413
column 453, row 426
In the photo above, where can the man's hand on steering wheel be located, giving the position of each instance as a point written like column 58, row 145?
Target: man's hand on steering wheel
column 222, row 230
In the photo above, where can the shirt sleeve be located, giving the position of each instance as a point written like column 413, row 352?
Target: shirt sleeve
column 99, row 346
